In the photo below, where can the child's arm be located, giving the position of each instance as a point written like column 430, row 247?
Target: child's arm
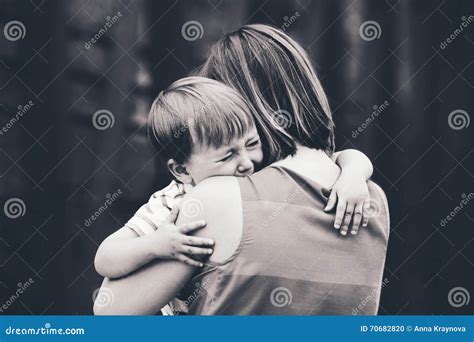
column 124, row 251
column 121, row 253
column 350, row 191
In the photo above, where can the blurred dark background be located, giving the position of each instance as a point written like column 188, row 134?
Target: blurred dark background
column 60, row 169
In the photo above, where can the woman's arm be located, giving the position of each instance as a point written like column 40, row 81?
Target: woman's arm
column 122, row 253
column 147, row 290
column 350, row 191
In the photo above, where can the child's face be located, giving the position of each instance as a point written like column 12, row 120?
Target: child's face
column 239, row 158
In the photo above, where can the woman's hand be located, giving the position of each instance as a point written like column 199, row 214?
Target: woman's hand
column 173, row 242
column 353, row 201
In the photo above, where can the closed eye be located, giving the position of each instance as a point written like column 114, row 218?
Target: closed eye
column 253, row 143
column 227, row 157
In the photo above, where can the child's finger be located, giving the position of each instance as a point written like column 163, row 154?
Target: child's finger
column 347, row 218
column 189, row 227
column 365, row 214
column 341, row 209
column 196, row 250
column 173, row 215
column 357, row 219
column 331, row 201
column 197, row 241
column 187, row 260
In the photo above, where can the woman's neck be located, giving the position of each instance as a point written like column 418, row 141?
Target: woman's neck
column 313, row 164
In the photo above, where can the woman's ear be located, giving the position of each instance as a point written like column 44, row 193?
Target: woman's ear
column 179, row 171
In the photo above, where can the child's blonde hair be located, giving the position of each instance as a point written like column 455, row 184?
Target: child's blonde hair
column 196, row 110
column 274, row 74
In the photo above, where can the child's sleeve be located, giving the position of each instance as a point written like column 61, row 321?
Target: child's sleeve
column 150, row 215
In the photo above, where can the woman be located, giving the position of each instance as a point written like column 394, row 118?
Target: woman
column 274, row 252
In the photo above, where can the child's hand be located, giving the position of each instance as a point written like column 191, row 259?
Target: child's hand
column 353, row 201
column 172, row 242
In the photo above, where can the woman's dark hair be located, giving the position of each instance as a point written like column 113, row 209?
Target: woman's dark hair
column 275, row 76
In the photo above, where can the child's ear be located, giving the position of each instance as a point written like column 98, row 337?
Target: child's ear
column 179, row 171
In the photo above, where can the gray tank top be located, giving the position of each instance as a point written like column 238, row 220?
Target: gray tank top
column 291, row 261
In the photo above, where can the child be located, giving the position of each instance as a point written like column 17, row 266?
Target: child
column 201, row 128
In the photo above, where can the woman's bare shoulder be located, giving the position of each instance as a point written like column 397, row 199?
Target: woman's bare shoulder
column 379, row 201
column 216, row 186
column 216, row 200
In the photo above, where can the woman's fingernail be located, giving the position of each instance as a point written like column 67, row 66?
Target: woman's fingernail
column 343, row 232
column 209, row 251
column 211, row 242
column 337, row 226
column 353, row 232
column 201, row 265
